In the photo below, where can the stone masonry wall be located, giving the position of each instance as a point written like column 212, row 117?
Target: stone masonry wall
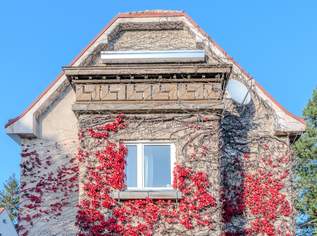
column 49, row 187
column 256, row 178
column 155, row 40
column 196, row 140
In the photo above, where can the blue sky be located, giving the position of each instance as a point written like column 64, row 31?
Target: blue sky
column 275, row 41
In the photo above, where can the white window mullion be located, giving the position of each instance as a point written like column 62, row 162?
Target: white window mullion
column 140, row 165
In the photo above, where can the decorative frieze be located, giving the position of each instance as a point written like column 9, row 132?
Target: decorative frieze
column 148, row 92
column 145, row 88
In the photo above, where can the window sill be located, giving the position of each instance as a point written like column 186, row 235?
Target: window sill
column 142, row 194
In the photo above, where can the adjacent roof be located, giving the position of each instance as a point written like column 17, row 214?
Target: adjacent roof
column 24, row 123
column 1, row 210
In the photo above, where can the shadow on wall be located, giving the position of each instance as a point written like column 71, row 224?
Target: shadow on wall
column 235, row 127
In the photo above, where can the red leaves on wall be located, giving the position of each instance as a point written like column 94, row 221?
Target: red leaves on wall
column 103, row 132
column 194, row 187
column 264, row 200
column 99, row 214
column 62, row 181
column 112, row 164
column 259, row 195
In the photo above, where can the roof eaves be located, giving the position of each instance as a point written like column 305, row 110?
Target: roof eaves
column 12, row 121
column 114, row 19
column 156, row 13
column 230, row 58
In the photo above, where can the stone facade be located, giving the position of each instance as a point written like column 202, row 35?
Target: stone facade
column 188, row 140
column 235, row 146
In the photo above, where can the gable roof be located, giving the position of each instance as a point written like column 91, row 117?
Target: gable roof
column 24, row 123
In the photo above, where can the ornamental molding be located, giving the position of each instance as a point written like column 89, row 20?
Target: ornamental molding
column 148, row 87
column 160, row 91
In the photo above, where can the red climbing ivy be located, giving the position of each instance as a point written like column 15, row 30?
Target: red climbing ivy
column 136, row 217
column 63, row 181
column 259, row 196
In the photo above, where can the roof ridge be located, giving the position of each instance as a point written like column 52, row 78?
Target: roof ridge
column 153, row 10
column 152, row 13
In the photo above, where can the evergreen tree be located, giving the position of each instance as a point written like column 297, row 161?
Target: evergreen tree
column 306, row 170
column 9, row 198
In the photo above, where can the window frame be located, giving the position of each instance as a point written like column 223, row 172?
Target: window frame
column 140, row 164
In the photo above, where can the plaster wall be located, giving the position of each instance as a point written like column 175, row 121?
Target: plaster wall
column 59, row 121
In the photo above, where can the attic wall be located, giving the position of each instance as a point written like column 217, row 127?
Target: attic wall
column 151, row 36
column 154, row 40
column 145, row 36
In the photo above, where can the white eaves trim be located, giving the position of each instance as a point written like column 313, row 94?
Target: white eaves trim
column 26, row 124
column 285, row 121
column 153, row 56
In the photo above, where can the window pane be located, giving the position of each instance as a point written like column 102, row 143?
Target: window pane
column 157, row 166
column 131, row 168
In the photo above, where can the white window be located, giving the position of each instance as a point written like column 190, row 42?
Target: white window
column 150, row 165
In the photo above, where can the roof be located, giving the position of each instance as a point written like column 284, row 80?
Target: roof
column 299, row 123
column 1, row 210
